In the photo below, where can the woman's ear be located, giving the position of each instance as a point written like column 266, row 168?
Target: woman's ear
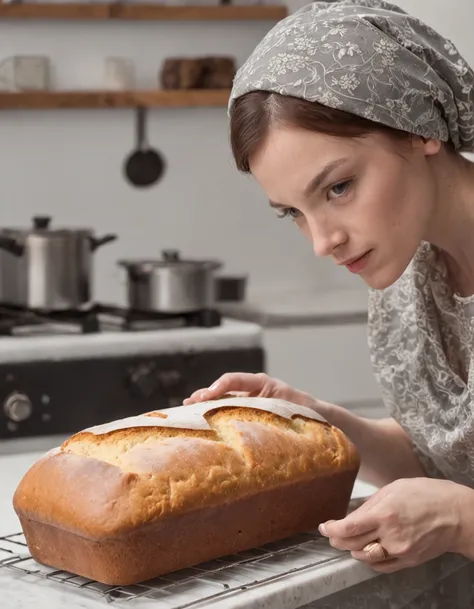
column 429, row 147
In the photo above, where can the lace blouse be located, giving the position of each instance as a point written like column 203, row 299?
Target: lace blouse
column 421, row 339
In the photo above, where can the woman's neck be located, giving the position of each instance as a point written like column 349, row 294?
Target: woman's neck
column 451, row 228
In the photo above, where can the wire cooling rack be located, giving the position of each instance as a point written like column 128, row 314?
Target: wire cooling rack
column 191, row 587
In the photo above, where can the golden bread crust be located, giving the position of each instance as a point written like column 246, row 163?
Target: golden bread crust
column 103, row 485
column 118, row 489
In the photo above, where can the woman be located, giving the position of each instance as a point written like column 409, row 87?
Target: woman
column 352, row 115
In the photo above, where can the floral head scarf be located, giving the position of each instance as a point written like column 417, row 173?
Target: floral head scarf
column 371, row 59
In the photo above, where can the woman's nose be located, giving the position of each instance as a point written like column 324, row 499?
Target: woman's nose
column 324, row 244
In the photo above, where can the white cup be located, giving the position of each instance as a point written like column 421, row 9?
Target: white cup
column 119, row 73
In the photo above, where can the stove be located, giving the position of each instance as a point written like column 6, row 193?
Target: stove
column 16, row 321
column 62, row 372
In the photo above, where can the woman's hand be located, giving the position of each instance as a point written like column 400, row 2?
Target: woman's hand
column 414, row 521
column 257, row 385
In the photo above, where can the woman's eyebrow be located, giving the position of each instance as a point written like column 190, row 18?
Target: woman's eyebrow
column 316, row 182
column 322, row 175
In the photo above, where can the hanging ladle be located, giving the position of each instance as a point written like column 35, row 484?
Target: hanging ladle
column 145, row 166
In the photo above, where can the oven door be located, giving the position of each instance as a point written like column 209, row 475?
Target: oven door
column 41, row 398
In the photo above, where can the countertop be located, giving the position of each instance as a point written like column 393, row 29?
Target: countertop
column 279, row 309
column 231, row 334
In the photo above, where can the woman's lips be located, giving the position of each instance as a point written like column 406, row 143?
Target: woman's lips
column 357, row 266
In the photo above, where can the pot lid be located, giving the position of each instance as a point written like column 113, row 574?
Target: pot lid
column 41, row 225
column 170, row 259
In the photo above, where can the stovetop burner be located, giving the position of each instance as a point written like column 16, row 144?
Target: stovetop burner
column 18, row 321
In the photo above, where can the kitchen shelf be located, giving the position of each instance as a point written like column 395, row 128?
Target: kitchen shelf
column 153, row 98
column 140, row 12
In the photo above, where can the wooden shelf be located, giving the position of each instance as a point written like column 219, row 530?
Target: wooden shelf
column 47, row 100
column 140, row 12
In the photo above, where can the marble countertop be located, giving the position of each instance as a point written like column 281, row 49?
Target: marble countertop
column 231, row 334
column 300, row 308
column 20, row 591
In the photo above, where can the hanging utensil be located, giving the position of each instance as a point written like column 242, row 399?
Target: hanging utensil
column 145, row 166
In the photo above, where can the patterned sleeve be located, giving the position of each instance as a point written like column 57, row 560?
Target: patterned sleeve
column 421, row 341
column 430, row 469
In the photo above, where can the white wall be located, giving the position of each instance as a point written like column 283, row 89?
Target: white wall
column 68, row 164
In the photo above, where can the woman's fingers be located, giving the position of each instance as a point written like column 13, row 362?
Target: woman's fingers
column 384, row 566
column 358, row 523
column 241, row 382
column 355, row 544
column 194, row 397
column 353, row 532
column 255, row 385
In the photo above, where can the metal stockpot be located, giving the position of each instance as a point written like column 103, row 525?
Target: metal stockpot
column 170, row 285
column 47, row 269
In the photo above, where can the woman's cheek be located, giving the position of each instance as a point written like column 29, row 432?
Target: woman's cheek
column 303, row 226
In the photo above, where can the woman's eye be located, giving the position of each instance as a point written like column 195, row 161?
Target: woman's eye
column 339, row 190
column 289, row 212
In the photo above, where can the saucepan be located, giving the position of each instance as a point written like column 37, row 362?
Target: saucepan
column 170, row 284
column 47, row 269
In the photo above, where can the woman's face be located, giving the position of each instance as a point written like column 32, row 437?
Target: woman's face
column 364, row 202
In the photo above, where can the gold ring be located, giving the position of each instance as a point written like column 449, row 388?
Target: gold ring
column 375, row 551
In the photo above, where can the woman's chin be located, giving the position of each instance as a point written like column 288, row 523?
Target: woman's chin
column 382, row 279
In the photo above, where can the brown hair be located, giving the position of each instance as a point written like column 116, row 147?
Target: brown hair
column 254, row 113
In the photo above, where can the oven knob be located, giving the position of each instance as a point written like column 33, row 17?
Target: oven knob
column 18, row 407
column 143, row 379
column 171, row 383
column 169, row 378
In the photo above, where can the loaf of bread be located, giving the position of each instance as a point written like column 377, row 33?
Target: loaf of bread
column 197, row 72
column 140, row 497
column 181, row 73
column 218, row 72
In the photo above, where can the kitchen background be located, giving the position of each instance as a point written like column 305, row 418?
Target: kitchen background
column 308, row 315
column 68, row 164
